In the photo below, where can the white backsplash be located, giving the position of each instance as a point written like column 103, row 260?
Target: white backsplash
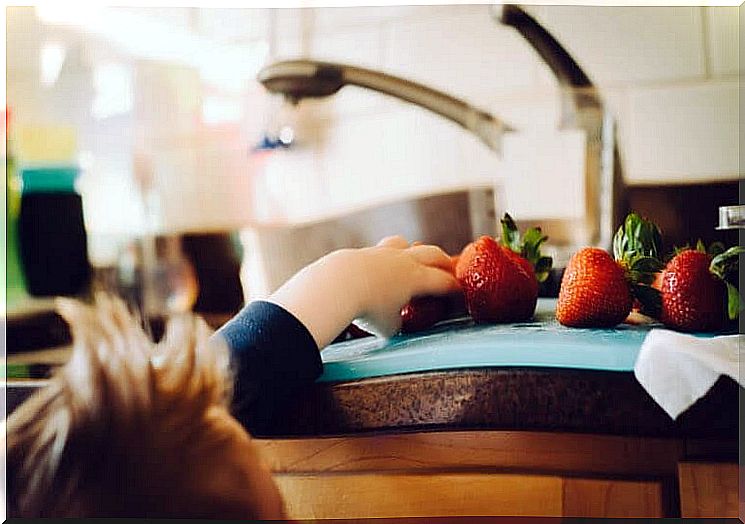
column 669, row 77
column 547, row 167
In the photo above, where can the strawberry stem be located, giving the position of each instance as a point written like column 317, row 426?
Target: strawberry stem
column 528, row 247
column 510, row 234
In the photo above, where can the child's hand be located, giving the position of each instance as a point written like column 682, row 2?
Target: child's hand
column 370, row 284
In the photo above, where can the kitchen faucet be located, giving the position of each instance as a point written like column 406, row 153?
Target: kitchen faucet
column 298, row 79
column 581, row 109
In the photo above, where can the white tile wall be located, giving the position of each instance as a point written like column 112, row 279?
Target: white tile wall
column 330, row 19
column 685, row 133
column 630, row 45
column 234, row 25
column 362, row 47
column 541, row 165
column 658, row 70
column 176, row 17
column 723, row 34
column 291, row 32
column 464, row 53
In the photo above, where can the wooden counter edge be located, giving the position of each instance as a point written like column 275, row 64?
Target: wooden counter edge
column 604, row 455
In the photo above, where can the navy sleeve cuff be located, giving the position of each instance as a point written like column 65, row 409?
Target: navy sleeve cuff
column 269, row 349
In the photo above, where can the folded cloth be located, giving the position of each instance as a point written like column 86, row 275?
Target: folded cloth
column 677, row 369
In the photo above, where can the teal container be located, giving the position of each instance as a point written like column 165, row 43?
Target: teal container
column 49, row 179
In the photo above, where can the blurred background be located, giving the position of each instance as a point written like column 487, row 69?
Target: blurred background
column 145, row 156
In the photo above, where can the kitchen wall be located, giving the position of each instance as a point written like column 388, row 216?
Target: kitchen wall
column 669, row 75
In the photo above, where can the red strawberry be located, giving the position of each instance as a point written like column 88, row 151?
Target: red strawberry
column 594, row 291
column 693, row 298
column 497, row 287
column 598, row 290
column 422, row 313
column 519, row 260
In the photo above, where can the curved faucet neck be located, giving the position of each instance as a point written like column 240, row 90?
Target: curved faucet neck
column 298, row 79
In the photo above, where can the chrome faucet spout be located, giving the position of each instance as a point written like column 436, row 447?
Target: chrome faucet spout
column 582, row 108
column 298, row 79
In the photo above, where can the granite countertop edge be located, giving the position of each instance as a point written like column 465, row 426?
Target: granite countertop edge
column 514, row 399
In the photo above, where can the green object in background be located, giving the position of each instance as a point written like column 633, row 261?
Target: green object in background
column 57, row 179
column 17, row 371
column 27, row 371
column 15, row 286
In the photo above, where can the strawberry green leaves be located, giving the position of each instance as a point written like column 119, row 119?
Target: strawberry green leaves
column 543, row 268
column 733, row 302
column 528, row 246
column 637, row 237
column 723, row 265
column 726, row 263
column 642, row 269
column 510, row 234
column 637, row 247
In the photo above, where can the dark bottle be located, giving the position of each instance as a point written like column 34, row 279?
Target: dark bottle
column 51, row 231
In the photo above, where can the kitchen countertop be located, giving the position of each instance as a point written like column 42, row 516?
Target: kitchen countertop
column 534, row 376
column 553, row 397
column 515, row 399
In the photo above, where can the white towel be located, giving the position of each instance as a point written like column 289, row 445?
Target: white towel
column 677, row 369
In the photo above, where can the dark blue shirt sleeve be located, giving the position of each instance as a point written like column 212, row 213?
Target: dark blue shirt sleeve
column 271, row 353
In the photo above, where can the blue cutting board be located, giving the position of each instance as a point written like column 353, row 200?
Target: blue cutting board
column 462, row 344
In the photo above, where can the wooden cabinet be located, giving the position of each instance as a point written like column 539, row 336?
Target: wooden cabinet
column 475, row 494
column 419, row 495
column 475, row 473
column 708, row 489
column 612, row 498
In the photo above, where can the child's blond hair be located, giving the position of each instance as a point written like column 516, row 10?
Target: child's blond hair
column 115, row 429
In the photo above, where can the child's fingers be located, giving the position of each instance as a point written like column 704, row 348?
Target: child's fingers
column 383, row 326
column 431, row 256
column 396, row 241
column 436, row 281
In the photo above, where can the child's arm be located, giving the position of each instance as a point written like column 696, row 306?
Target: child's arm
column 276, row 341
column 370, row 284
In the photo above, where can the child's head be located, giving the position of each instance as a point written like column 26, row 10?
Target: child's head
column 129, row 428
